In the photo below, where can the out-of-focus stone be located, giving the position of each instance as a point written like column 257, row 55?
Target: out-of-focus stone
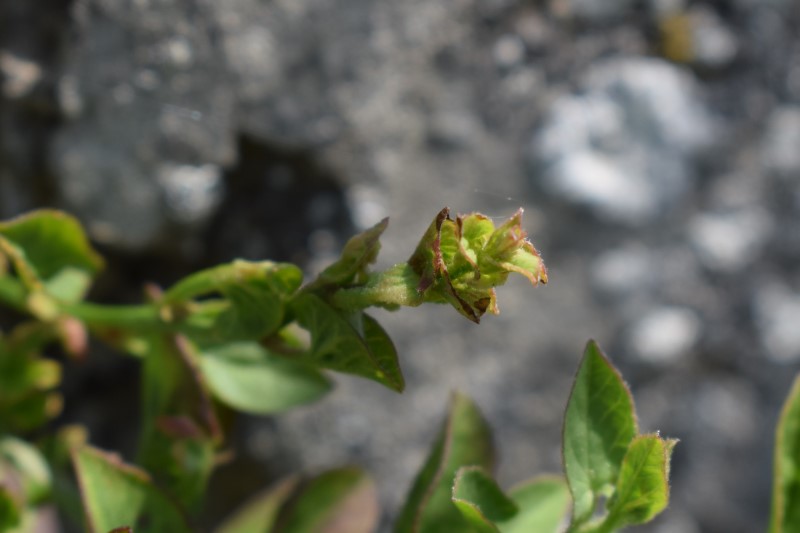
column 623, row 271
column 624, row 148
column 19, row 75
column 598, row 11
column 714, row 45
column 781, row 140
column 134, row 114
column 777, row 310
column 730, row 241
column 664, row 334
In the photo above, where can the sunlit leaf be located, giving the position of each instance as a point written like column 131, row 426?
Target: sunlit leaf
column 42, row 244
column 642, row 489
column 352, row 343
column 543, row 506
column 249, row 378
column 360, row 251
column 480, row 500
column 599, row 425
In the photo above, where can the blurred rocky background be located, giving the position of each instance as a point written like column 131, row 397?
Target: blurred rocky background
column 655, row 146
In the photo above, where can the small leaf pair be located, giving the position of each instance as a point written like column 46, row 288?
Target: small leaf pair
column 604, row 456
column 455, row 492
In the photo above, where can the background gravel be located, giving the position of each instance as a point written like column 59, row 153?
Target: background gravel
column 654, row 146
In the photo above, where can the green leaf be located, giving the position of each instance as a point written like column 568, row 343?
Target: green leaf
column 180, row 430
column 543, row 506
column 26, row 380
column 598, row 427
column 10, row 512
column 249, row 378
column 352, row 343
column 255, row 294
column 69, row 285
column 359, row 252
column 43, row 243
column 258, row 515
column 643, row 486
column 25, row 463
column 339, row 501
column 465, row 440
column 115, row 495
column 785, row 515
column 480, row 500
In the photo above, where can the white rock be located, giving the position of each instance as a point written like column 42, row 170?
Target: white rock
column 730, row 241
column 623, row 146
column 664, row 334
column 192, row 192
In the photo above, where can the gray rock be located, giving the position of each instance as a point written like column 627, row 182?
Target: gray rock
column 714, row 44
column 598, row 10
column 777, row 310
column 138, row 114
column 624, row 147
column 781, row 139
column 624, row 271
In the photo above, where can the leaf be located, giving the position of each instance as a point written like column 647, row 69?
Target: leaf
column 249, row 378
column 258, row 515
column 543, row 506
column 599, row 424
column 43, row 243
column 464, row 440
column 26, row 380
column 643, row 486
column 69, row 285
column 10, row 512
column 785, row 515
column 339, row 501
column 180, row 430
column 255, row 294
column 360, row 251
column 351, row 343
column 116, row 495
column 480, row 500
column 24, row 462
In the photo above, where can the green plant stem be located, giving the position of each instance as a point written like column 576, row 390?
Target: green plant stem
column 391, row 288
column 135, row 317
column 138, row 317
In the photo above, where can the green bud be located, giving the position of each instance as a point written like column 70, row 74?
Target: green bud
column 461, row 261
